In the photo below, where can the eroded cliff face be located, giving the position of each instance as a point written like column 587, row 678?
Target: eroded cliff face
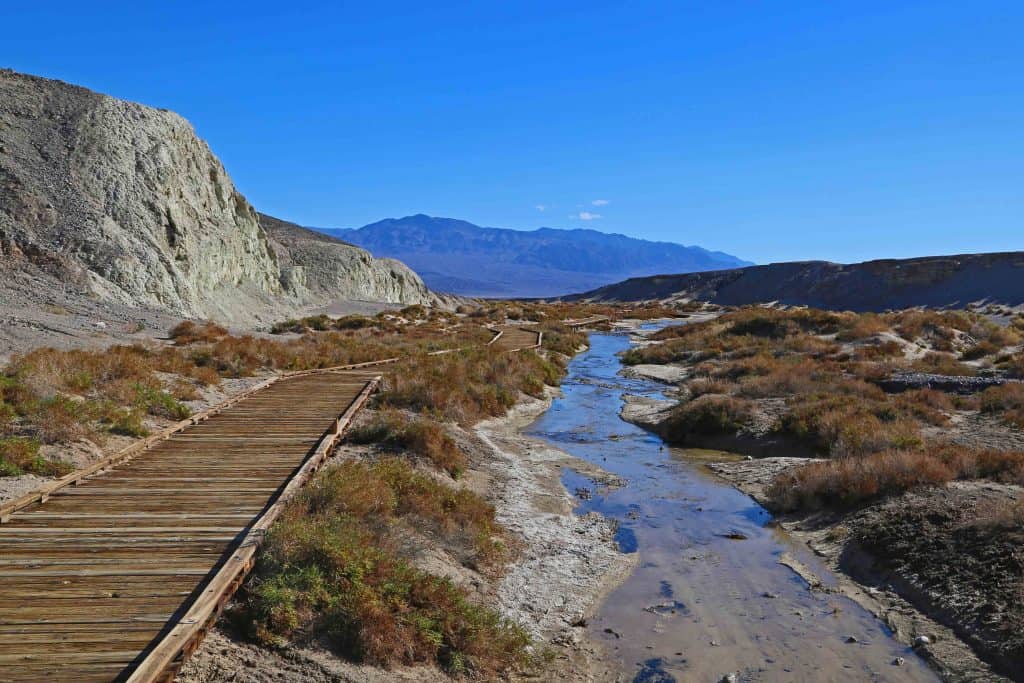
column 320, row 268
column 126, row 197
column 126, row 204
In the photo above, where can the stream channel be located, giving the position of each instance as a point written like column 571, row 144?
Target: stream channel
column 709, row 597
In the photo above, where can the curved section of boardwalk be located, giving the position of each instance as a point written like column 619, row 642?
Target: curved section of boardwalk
column 117, row 576
column 516, row 338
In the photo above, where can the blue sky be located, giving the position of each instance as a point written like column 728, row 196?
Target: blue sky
column 771, row 130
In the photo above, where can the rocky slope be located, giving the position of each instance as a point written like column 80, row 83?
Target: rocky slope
column 870, row 286
column 458, row 256
column 121, row 203
column 317, row 267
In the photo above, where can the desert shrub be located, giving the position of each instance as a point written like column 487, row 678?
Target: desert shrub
column 61, row 419
column 19, row 455
column 353, row 322
column 561, row 339
column 183, row 390
column 188, row 332
column 467, row 385
column 1013, row 365
column 851, row 424
column 160, row 403
column 927, row 405
column 328, row 573
column 422, row 436
column 7, row 415
column 706, row 415
column 704, row 386
column 879, row 350
column 846, row 482
column 863, row 326
column 1006, row 400
column 938, row 327
column 414, row 312
column 980, row 350
column 943, row 364
column 125, row 422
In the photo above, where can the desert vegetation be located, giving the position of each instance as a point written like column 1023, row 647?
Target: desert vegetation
column 331, row 569
column 816, row 378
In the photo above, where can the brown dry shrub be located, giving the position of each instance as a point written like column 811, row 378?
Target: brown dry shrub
column 927, row 405
column 706, row 415
column 187, row 332
column 1006, row 400
column 863, row 326
column 705, row 386
column 879, row 350
column 468, row 385
column 943, row 364
column 422, row 436
column 1013, row 365
column 852, row 424
column 938, row 327
column 846, row 482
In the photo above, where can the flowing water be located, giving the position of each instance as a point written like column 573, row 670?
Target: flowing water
column 709, row 596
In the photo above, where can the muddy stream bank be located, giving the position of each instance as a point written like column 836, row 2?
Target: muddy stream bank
column 714, row 595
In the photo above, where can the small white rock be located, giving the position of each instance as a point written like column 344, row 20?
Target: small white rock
column 922, row 640
column 899, row 661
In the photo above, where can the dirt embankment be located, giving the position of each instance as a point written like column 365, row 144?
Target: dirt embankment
column 563, row 567
column 930, row 564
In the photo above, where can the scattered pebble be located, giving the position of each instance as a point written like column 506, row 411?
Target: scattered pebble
column 899, row 661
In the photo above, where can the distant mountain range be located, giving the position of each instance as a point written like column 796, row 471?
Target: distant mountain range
column 935, row 281
column 456, row 256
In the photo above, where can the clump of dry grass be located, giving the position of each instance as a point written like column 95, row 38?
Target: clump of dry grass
column 330, row 572
column 422, row 436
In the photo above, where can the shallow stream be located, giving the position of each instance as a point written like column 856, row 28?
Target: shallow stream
column 709, row 597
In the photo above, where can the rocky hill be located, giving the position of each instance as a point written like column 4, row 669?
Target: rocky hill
column 460, row 257
column 316, row 267
column 124, row 204
column 936, row 281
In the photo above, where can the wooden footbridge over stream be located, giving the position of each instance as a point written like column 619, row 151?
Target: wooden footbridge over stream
column 116, row 572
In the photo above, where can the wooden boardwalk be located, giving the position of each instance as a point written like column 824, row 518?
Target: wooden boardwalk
column 517, row 338
column 117, row 576
column 586, row 322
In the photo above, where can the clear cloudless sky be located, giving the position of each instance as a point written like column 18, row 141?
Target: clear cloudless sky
column 789, row 129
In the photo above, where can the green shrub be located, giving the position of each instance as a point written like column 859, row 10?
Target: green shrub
column 21, row 456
